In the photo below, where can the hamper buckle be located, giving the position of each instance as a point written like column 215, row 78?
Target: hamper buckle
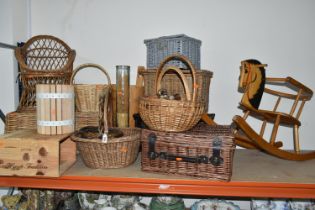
column 152, row 139
column 215, row 159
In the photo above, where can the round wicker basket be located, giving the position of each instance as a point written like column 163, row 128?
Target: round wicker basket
column 116, row 153
column 172, row 115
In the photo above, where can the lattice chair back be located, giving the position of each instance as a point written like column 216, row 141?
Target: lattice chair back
column 43, row 59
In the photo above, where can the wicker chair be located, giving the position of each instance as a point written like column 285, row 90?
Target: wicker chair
column 43, row 59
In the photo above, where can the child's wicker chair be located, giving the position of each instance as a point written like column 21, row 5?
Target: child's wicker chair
column 43, row 59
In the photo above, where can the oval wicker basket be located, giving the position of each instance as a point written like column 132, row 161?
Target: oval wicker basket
column 87, row 95
column 116, row 153
column 172, row 115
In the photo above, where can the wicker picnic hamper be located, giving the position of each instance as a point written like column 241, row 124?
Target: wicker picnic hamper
column 103, row 147
column 87, row 95
column 172, row 115
column 43, row 59
column 203, row 152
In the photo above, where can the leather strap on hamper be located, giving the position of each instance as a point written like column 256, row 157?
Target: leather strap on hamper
column 215, row 159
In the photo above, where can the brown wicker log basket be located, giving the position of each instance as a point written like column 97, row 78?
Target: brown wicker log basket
column 163, row 114
column 103, row 147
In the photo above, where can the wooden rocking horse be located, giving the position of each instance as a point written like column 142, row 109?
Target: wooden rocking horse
column 252, row 81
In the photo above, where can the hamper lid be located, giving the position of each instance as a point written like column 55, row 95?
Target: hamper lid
column 177, row 36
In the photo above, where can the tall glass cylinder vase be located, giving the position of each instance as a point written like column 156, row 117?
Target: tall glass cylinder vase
column 122, row 95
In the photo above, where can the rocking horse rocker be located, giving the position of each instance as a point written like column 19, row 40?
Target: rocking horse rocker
column 252, row 81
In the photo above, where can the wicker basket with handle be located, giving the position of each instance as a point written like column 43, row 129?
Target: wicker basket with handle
column 173, row 84
column 87, row 95
column 103, row 147
column 172, row 115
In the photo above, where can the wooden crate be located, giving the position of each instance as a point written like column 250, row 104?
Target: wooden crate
column 26, row 153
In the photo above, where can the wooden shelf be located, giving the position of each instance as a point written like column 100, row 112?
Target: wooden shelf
column 255, row 174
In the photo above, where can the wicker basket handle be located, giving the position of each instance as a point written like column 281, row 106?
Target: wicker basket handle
column 102, row 121
column 181, row 75
column 76, row 70
column 185, row 61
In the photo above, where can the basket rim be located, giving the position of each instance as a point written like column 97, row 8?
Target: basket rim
column 162, row 100
column 112, row 141
column 185, row 71
column 128, row 138
column 171, row 38
column 99, row 84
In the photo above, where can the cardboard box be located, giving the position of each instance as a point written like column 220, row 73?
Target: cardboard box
column 27, row 153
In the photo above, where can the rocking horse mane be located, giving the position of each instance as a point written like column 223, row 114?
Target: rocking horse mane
column 256, row 99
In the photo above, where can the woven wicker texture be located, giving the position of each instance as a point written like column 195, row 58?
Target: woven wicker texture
column 43, row 59
column 159, row 48
column 172, row 115
column 83, row 119
column 197, row 142
column 173, row 84
column 87, row 95
column 21, row 120
column 116, row 153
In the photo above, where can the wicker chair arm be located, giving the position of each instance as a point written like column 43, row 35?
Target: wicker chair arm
column 72, row 55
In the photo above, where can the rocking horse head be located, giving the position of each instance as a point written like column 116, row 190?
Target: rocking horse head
column 252, row 81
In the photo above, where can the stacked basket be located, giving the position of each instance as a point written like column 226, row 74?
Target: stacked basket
column 172, row 115
column 175, row 142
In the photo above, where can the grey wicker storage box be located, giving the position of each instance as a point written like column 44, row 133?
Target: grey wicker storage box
column 159, row 48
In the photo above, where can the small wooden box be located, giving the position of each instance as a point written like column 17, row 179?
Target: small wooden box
column 27, row 153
